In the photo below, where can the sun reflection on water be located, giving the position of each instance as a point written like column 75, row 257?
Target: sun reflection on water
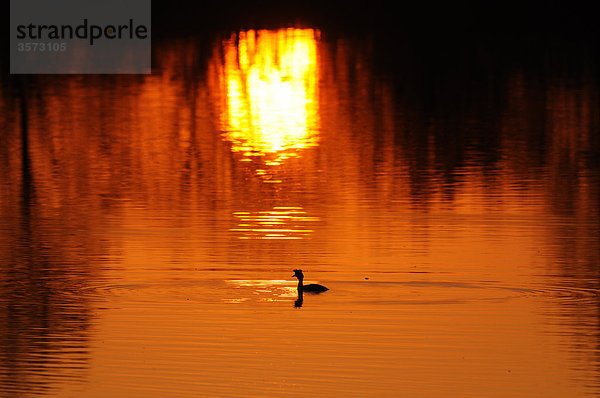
column 268, row 81
column 264, row 290
column 288, row 223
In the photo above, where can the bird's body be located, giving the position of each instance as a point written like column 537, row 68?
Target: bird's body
column 314, row 288
column 310, row 288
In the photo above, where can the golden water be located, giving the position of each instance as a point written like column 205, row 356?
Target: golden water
column 150, row 226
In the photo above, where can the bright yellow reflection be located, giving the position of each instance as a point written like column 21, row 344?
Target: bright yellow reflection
column 266, row 290
column 279, row 223
column 270, row 84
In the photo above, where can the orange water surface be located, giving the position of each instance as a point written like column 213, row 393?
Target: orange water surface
column 150, row 225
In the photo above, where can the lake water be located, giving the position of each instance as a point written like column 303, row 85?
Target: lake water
column 150, row 225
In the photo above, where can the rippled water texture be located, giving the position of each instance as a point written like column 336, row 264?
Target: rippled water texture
column 150, row 225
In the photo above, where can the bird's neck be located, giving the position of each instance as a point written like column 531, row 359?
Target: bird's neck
column 300, row 284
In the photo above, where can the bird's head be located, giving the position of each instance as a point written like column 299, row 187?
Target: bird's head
column 298, row 274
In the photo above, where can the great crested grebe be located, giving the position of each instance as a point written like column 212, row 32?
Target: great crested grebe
column 311, row 288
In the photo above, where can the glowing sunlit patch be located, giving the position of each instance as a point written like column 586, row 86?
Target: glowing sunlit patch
column 281, row 237
column 268, row 290
column 268, row 82
column 235, row 300
column 257, row 282
column 279, row 223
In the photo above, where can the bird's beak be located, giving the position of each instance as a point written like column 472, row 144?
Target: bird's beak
column 293, row 276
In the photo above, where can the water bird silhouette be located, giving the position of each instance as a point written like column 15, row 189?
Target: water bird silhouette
column 310, row 288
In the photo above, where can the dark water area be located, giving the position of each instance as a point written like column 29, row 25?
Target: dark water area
column 444, row 184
